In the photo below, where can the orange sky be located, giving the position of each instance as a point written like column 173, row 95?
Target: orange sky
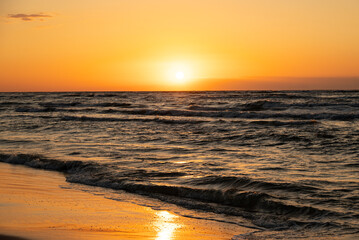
column 115, row 45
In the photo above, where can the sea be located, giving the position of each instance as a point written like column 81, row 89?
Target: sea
column 283, row 163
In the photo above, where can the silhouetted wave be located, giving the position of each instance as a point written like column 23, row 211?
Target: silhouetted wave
column 116, row 119
column 241, row 193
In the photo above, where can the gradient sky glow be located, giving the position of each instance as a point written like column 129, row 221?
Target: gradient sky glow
column 115, row 45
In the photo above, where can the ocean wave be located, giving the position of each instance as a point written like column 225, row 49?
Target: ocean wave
column 283, row 123
column 248, row 106
column 35, row 110
column 116, row 119
column 94, row 174
column 263, row 105
column 232, row 182
column 10, row 103
column 244, row 114
column 245, row 200
column 285, row 95
column 40, row 162
column 113, row 95
column 113, row 104
column 28, row 109
column 59, row 104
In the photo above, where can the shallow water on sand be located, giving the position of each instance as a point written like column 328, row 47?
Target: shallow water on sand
column 40, row 205
column 278, row 161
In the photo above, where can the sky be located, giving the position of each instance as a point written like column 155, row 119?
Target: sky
column 150, row 45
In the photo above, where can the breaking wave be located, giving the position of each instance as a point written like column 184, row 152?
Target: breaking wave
column 234, row 196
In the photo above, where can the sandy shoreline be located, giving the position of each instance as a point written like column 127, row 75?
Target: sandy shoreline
column 36, row 204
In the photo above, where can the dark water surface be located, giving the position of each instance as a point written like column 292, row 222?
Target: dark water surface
column 283, row 162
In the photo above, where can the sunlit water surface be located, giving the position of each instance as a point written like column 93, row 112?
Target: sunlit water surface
column 280, row 162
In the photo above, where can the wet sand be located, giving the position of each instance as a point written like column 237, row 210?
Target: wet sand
column 37, row 204
column 6, row 237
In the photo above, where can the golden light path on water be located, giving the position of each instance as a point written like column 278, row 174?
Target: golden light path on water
column 166, row 225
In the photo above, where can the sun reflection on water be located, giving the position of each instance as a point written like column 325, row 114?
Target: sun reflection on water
column 166, row 225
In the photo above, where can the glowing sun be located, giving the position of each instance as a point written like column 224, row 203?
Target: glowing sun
column 179, row 75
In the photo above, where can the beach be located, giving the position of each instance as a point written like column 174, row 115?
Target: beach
column 38, row 204
column 194, row 165
column 171, row 120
